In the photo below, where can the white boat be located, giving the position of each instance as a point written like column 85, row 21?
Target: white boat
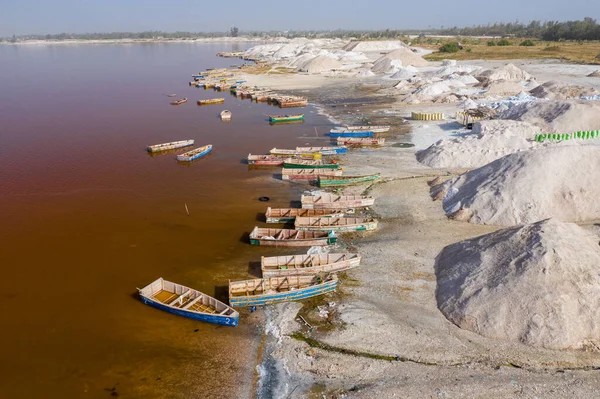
column 169, row 146
column 332, row 201
column 187, row 302
column 303, row 265
column 367, row 128
column 226, row 115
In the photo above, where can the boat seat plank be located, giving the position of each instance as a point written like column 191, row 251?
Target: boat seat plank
column 191, row 303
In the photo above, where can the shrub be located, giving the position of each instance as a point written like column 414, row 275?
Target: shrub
column 504, row 42
column 527, row 43
column 469, row 50
column 449, row 48
column 491, row 43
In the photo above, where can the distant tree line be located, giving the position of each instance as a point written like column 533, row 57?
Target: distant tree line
column 586, row 29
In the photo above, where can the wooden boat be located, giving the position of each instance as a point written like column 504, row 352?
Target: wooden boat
column 187, row 302
column 171, row 95
column 293, row 163
column 303, row 265
column 360, row 141
column 286, row 118
column 323, row 150
column 349, row 133
column 308, row 174
column 289, row 215
column 266, row 291
column 290, row 238
column 278, row 152
column 328, row 181
column 332, row 201
column 183, row 100
column 211, row 101
column 375, row 129
column 293, row 104
column 334, row 224
column 169, row 146
column 195, row 153
column 226, row 115
column 271, row 160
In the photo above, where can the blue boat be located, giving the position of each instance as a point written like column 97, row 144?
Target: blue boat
column 195, row 153
column 239, row 82
column 187, row 302
column 197, row 76
column 267, row 291
column 350, row 133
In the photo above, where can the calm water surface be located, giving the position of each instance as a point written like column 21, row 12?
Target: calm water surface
column 87, row 216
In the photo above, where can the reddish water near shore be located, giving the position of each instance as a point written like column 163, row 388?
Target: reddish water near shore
column 87, row 215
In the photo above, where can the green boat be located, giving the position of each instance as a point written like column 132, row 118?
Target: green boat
column 328, row 181
column 308, row 164
column 286, row 118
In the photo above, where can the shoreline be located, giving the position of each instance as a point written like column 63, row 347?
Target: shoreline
column 137, row 41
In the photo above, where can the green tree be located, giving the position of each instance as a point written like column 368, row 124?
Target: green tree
column 13, row 39
column 234, row 32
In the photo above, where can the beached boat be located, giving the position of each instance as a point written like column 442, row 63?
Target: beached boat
column 292, row 163
column 195, row 153
column 183, row 100
column 226, row 115
column 267, row 291
column 169, row 146
column 360, row 141
column 324, row 150
column 278, row 152
column 375, row 129
column 334, row 224
column 211, row 101
column 302, row 265
column 293, row 104
column 308, row 174
column 289, row 215
column 332, row 201
column 290, row 238
column 286, row 118
column 187, row 302
column 350, row 133
column 171, row 95
column 271, row 160
column 328, row 181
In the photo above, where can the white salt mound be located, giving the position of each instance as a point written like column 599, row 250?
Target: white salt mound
column 537, row 284
column 432, row 89
column 448, row 62
column 595, row 74
column 449, row 70
column 406, row 72
column 557, row 116
column 560, row 181
column 374, row 45
column 468, row 104
column 507, row 72
column 386, row 66
column 556, row 90
column 404, row 55
column 320, row 64
column 502, row 88
column 489, row 141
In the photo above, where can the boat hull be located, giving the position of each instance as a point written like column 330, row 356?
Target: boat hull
column 186, row 158
column 339, row 203
column 295, row 295
column 313, row 242
column 292, row 165
column 213, row 319
column 276, row 119
column 169, row 146
column 334, row 267
column 350, row 134
column 339, row 229
column 324, row 181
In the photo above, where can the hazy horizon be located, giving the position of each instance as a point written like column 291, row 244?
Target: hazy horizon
column 28, row 17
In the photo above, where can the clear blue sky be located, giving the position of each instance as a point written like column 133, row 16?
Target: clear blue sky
column 80, row 16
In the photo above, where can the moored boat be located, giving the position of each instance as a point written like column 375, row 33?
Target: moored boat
column 334, row 224
column 271, row 160
column 360, row 141
column 225, row 115
column 195, row 153
column 293, row 104
column 324, row 150
column 266, row 291
column 290, row 238
column 328, row 181
column 211, row 101
column 286, row 118
column 169, row 146
column 181, row 101
column 187, row 302
column 350, row 133
column 299, row 265
column 308, row 174
column 292, row 163
column 295, row 153
column 375, row 129
column 289, row 215
column 332, row 201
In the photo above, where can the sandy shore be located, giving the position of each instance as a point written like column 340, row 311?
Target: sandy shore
column 387, row 337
